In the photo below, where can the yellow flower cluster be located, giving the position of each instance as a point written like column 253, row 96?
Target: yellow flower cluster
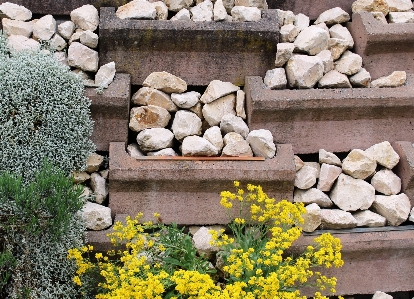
column 82, row 264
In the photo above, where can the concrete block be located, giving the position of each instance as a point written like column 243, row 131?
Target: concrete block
column 188, row 192
column 110, row 112
column 405, row 167
column 336, row 120
column 99, row 239
column 197, row 52
column 384, row 48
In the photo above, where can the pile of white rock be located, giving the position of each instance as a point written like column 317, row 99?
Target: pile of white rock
column 168, row 116
column 362, row 190
column 77, row 38
column 320, row 55
column 387, row 11
column 197, row 11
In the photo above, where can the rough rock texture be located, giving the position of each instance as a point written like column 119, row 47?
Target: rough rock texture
column 298, row 163
column 312, row 218
column 370, row 219
column 301, row 21
column 327, row 176
column 386, row 182
column 332, row 16
column 58, row 43
column 361, row 79
column 147, row 117
column 198, row 146
column 327, row 60
column 329, row 158
column 370, row 5
column 245, row 14
column 349, row 63
column 396, row 79
column 202, row 12
column 401, row 17
column 185, row 123
column 166, row 152
column 261, row 142
column 384, row 154
column 93, row 163
column 231, row 123
column 395, row 208
column 358, row 164
column 276, row 78
column 89, row 39
column 86, row 17
column 15, row 12
column 202, row 239
column 337, row 47
column 165, row 82
column 186, row 100
column 214, row 111
column 99, row 187
column 312, row 40
column 240, row 103
column 399, row 5
column 177, row 5
column 312, row 195
column 315, row 165
column 217, row 89
column 44, row 28
column 154, row 139
column 105, row 74
column 219, row 11
column 237, row 149
column 82, row 57
column 304, row 71
column 95, row 216
column 66, row 29
column 16, row 27
column 20, row 42
column 306, row 177
column 134, row 151
column 337, row 219
column 137, row 9
column 288, row 33
column 334, row 79
column 379, row 294
column 341, row 32
column 80, row 177
column 351, row 194
column 283, row 54
column 232, row 137
column 213, row 134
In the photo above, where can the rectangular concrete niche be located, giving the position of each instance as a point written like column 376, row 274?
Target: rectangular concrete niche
column 336, row 120
column 384, row 48
column 188, row 192
column 197, row 52
column 110, row 112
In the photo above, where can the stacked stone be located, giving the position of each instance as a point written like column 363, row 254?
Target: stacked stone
column 76, row 37
column 362, row 190
column 320, row 55
column 212, row 124
column 387, row 11
column 197, row 11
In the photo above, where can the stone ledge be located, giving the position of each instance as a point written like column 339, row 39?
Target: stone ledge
column 336, row 120
column 405, row 167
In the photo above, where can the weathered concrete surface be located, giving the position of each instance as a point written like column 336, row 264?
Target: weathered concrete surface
column 188, row 192
column 384, row 48
column 336, row 120
column 405, row 167
column 373, row 261
column 110, row 112
column 197, row 52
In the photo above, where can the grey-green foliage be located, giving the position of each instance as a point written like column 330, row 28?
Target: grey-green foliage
column 43, row 114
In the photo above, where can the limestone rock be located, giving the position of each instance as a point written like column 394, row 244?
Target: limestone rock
column 231, row 123
column 322, row 26
column 327, row 60
column 147, row 117
column 341, row 32
column 161, row 10
column 105, row 74
column 301, row 21
column 349, row 63
column 358, row 164
column 186, row 100
column 202, row 239
column 315, row 165
column 379, row 16
column 280, row 17
column 370, row 219
column 304, row 71
column 361, row 79
column 240, row 102
column 44, row 28
column 381, row 295
column 289, row 17
column 86, row 193
column 298, row 163
column 337, row 47
column 386, row 182
column 82, row 57
column 16, row 27
column 396, row 79
column 232, row 137
column 86, row 17
column 95, row 216
column 384, row 154
column 161, row 99
column 370, row 5
column 57, row 42
column 93, row 163
column 276, row 78
column 306, row 177
column 219, row 11
column 283, row 53
column 76, row 36
column 312, row 40
column 137, row 9
column 312, row 195
column 399, row 5
column 155, row 139
column 66, row 29
column 80, row 177
column 15, row 12
column 81, row 74
column 332, row 16
column 166, row 152
column 182, row 15
column 237, row 149
column 165, row 82
column 334, row 79
column 288, row 33
column 213, row 135
column 336, row 219
column 245, row 14
column 261, row 142
column 411, row 218
column 89, row 39
column 214, row 111
column 177, row 5
column 401, row 17
column 134, row 151
column 262, row 4
column 329, row 158
column 395, row 208
column 312, row 218
column 217, row 89
column 327, row 176
column 198, row 110
column 202, row 12
column 198, row 146
column 228, row 4
column 99, row 187
column 351, row 194
column 185, row 123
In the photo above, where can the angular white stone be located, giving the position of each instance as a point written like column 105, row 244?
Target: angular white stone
column 219, row 11
column 214, row 111
column 304, row 71
column 370, row 219
column 349, row 63
column 332, row 16
column 280, row 17
column 312, row 40
column 166, row 152
column 246, row 14
column 82, row 57
column 384, row 154
column 341, row 32
column 327, row 176
column 386, row 182
column 240, row 102
column 401, row 17
column 80, row 177
column 396, row 79
column 202, row 12
column 93, row 162
column 231, row 123
column 134, row 151
column 276, row 78
column 186, row 123
column 288, row 33
column 395, row 208
column 262, row 4
column 351, row 194
column 15, row 12
column 329, row 158
column 337, row 47
column 237, row 149
column 361, row 79
column 198, row 110
column 232, row 137
column 99, row 187
column 66, row 29
column 16, row 27
column 312, row 218
column 379, row 16
column 213, row 134
column 370, row 5
column 334, row 79
column 289, row 17
column 322, row 26
column 283, row 53
column 261, row 142
column 177, row 5
column 165, row 82
column 327, row 60
column 336, row 219
column 20, row 42
column 76, row 36
column 86, row 17
column 186, row 100
column 155, row 139
column 182, row 15
column 61, row 57
column 44, row 28
column 57, row 42
column 411, row 218
column 381, row 295
column 87, row 193
column 298, row 163
column 137, row 9
column 399, row 5
column 301, row 21
column 95, row 216
column 312, row 195
column 198, row 146
column 89, row 39
column 105, row 74
column 147, row 117
column 315, row 165
column 161, row 10
column 217, row 89
column 358, row 164
column 158, row 98
column 202, row 239
column 306, row 177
